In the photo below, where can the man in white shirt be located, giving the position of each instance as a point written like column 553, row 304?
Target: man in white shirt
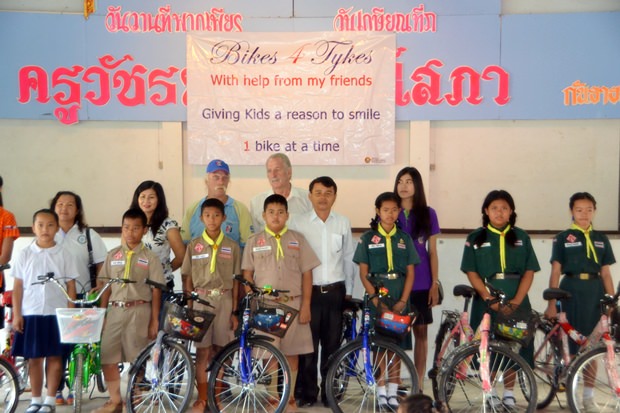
column 279, row 173
column 330, row 236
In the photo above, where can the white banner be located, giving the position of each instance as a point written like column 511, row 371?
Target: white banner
column 322, row 98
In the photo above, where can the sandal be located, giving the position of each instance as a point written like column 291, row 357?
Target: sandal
column 383, row 401
column 509, row 402
column 33, row 408
column 47, row 408
column 393, row 402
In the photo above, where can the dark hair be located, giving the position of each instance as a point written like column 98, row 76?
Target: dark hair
column 420, row 403
column 45, row 211
column 384, row 197
column 135, row 213
column 275, row 199
column 79, row 216
column 326, row 181
column 581, row 195
column 1, row 183
column 421, row 214
column 212, row 203
column 161, row 210
column 498, row 194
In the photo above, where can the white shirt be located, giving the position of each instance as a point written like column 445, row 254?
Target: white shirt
column 33, row 261
column 75, row 242
column 297, row 200
column 332, row 242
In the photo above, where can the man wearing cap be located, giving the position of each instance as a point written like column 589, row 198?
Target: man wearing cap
column 238, row 223
column 279, row 173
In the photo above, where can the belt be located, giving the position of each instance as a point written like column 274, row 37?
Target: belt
column 388, row 276
column 327, row 287
column 283, row 298
column 127, row 304
column 585, row 275
column 505, row 276
column 216, row 292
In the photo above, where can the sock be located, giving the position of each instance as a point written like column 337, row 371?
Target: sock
column 588, row 392
column 37, row 400
column 381, row 391
column 508, row 393
column 50, row 400
column 392, row 389
column 202, row 391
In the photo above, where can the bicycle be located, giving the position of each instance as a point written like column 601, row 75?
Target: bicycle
column 453, row 331
column 476, row 369
column 10, row 388
column 162, row 376
column 82, row 326
column 357, row 369
column 557, row 371
column 250, row 374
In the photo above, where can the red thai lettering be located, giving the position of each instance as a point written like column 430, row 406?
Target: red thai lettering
column 170, row 97
column 128, row 81
column 418, row 20
column 428, row 92
column 103, row 78
column 457, row 77
column 503, row 83
column 62, row 76
column 33, row 78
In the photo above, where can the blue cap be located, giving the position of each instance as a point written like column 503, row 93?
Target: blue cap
column 218, row 165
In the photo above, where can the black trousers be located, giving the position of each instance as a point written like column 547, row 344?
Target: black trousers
column 326, row 326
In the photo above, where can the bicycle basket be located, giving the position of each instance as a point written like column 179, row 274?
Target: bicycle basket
column 520, row 325
column 186, row 323
column 272, row 317
column 80, row 325
column 392, row 324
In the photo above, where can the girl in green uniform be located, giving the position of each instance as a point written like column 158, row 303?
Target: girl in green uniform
column 386, row 255
column 502, row 255
column 584, row 256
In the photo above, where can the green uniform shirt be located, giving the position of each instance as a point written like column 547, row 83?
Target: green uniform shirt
column 569, row 249
column 371, row 250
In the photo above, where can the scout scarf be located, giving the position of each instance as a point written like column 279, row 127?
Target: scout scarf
column 388, row 245
column 280, row 253
column 214, row 246
column 589, row 245
column 502, row 243
column 128, row 256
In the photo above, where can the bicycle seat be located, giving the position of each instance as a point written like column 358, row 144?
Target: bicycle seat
column 353, row 304
column 556, row 294
column 463, row 290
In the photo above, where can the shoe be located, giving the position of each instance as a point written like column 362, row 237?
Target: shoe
column 109, row 407
column 33, row 408
column 393, row 402
column 494, row 402
column 305, row 402
column 509, row 402
column 60, row 401
column 47, row 408
column 383, row 401
column 589, row 406
column 70, row 399
column 199, row 406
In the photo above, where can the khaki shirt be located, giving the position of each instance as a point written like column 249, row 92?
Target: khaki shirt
column 144, row 265
column 197, row 263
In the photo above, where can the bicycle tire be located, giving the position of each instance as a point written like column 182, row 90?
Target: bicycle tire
column 9, row 387
column 77, row 366
column 171, row 389
column 460, row 387
column 580, row 372
column 271, row 378
column 101, row 386
column 547, row 365
column 22, row 368
column 347, row 388
column 442, row 349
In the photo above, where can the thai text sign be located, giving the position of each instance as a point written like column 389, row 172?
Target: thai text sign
column 324, row 98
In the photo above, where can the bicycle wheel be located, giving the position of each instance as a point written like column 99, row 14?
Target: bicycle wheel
column 101, row 386
column 169, row 388
column 76, row 371
column 589, row 370
column 268, row 388
column 445, row 343
column 22, row 368
column 9, row 387
column 460, row 385
column 547, row 365
column 347, row 383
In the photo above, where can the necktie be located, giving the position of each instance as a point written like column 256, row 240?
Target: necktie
column 280, row 252
column 502, row 244
column 589, row 244
column 388, row 245
column 214, row 246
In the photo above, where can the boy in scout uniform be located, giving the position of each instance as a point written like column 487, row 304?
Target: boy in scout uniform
column 133, row 309
column 283, row 259
column 210, row 263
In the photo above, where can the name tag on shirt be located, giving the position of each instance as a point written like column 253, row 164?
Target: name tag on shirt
column 142, row 262
column 599, row 244
column 518, row 243
column 200, row 256
column 402, row 246
column 373, row 246
column 264, row 248
column 572, row 244
column 122, row 262
column 483, row 245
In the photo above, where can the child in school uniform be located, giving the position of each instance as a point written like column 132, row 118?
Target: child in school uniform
column 210, row 263
column 284, row 259
column 37, row 336
column 386, row 257
column 133, row 309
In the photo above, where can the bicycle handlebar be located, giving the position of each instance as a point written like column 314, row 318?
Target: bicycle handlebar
column 265, row 290
column 49, row 277
column 188, row 295
column 498, row 296
column 5, row 266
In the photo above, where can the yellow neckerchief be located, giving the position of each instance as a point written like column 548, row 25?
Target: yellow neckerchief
column 388, row 244
column 589, row 245
column 128, row 256
column 279, row 253
column 502, row 243
column 214, row 246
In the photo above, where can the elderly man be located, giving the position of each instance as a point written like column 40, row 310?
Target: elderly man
column 238, row 221
column 279, row 173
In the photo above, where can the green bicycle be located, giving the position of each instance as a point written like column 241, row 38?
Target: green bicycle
column 82, row 326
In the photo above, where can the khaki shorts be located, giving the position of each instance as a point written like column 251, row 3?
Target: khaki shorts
column 125, row 333
column 219, row 333
column 298, row 337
